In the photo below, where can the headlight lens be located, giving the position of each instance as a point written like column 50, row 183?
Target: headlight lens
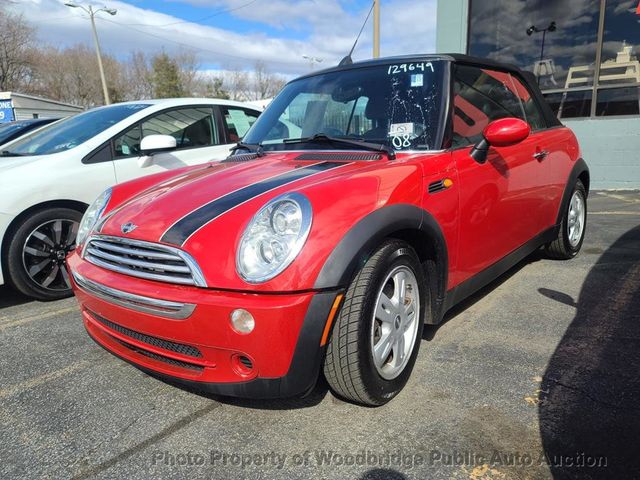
column 91, row 216
column 274, row 237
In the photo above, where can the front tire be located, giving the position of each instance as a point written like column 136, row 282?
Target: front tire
column 37, row 251
column 376, row 338
column 573, row 226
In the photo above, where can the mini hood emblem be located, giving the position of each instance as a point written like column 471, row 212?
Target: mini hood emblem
column 128, row 227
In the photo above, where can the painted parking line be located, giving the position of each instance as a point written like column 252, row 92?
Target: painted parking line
column 39, row 380
column 614, row 213
column 8, row 322
column 622, row 198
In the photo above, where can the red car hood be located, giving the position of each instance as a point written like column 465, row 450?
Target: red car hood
column 172, row 212
column 205, row 210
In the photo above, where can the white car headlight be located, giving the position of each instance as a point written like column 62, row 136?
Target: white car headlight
column 92, row 215
column 274, row 237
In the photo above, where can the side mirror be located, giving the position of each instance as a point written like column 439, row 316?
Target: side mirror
column 500, row 133
column 152, row 144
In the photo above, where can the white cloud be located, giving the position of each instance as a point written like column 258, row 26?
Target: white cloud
column 325, row 28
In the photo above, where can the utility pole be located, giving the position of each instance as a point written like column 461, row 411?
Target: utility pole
column 91, row 12
column 376, row 28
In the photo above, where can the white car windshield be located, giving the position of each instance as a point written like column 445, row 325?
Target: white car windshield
column 398, row 105
column 71, row 132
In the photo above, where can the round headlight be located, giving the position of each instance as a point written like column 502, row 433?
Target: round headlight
column 92, row 215
column 274, row 237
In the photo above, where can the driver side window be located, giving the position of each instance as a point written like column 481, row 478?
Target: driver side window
column 191, row 127
column 481, row 96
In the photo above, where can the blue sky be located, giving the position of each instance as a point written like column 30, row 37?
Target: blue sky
column 234, row 34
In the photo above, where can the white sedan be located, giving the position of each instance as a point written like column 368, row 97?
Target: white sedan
column 49, row 177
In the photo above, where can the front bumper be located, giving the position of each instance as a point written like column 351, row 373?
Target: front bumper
column 184, row 333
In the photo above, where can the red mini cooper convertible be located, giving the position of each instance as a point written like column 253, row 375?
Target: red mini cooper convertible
column 366, row 201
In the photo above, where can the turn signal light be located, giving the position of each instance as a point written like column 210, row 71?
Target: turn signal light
column 242, row 321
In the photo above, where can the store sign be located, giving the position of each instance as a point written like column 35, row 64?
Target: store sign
column 6, row 111
column 638, row 9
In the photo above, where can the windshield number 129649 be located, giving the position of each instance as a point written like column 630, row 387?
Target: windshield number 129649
column 409, row 67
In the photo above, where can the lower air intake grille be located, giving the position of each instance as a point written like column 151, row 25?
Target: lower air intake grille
column 148, row 339
column 160, row 358
column 346, row 157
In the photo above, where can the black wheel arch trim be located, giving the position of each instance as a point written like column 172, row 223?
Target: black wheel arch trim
column 362, row 239
column 578, row 170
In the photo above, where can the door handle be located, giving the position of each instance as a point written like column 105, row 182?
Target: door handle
column 541, row 155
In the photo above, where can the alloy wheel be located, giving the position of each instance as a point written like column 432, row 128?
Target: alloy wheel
column 395, row 322
column 44, row 253
column 575, row 219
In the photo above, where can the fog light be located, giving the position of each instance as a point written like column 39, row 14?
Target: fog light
column 242, row 321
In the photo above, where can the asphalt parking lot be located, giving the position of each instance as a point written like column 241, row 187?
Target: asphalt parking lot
column 536, row 376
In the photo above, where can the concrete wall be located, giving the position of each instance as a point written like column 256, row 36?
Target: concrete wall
column 610, row 146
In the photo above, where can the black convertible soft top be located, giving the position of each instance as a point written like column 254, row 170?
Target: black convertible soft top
column 526, row 77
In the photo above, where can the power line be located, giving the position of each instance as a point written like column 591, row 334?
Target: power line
column 193, row 47
column 219, row 12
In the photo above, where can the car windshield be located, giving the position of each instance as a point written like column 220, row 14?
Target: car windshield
column 73, row 131
column 9, row 129
column 398, row 105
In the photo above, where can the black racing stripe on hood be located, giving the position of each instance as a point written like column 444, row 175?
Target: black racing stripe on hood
column 180, row 231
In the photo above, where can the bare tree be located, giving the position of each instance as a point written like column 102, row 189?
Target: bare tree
column 70, row 75
column 138, row 77
column 265, row 84
column 15, row 51
column 188, row 66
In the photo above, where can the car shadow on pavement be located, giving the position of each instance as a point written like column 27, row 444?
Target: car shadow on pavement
column 429, row 331
column 589, row 410
column 312, row 398
column 10, row 298
column 382, row 474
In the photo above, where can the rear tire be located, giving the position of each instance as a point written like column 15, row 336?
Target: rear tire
column 573, row 226
column 376, row 338
column 37, row 250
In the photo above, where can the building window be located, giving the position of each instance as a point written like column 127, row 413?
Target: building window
column 566, row 44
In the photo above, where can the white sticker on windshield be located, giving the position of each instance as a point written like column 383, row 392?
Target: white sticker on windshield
column 396, row 129
column 417, row 80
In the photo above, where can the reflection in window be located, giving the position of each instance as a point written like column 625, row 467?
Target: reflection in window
column 501, row 29
column 563, row 57
column 570, row 104
column 620, row 65
column 618, row 101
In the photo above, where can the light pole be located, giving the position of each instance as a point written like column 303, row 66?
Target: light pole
column 91, row 12
column 312, row 60
column 533, row 29
column 376, row 28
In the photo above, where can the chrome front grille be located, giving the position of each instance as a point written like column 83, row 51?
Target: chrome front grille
column 151, row 261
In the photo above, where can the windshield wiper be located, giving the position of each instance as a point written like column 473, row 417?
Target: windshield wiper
column 252, row 147
column 7, row 153
column 321, row 137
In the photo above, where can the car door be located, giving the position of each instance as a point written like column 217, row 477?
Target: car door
column 499, row 197
column 197, row 134
column 551, row 154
